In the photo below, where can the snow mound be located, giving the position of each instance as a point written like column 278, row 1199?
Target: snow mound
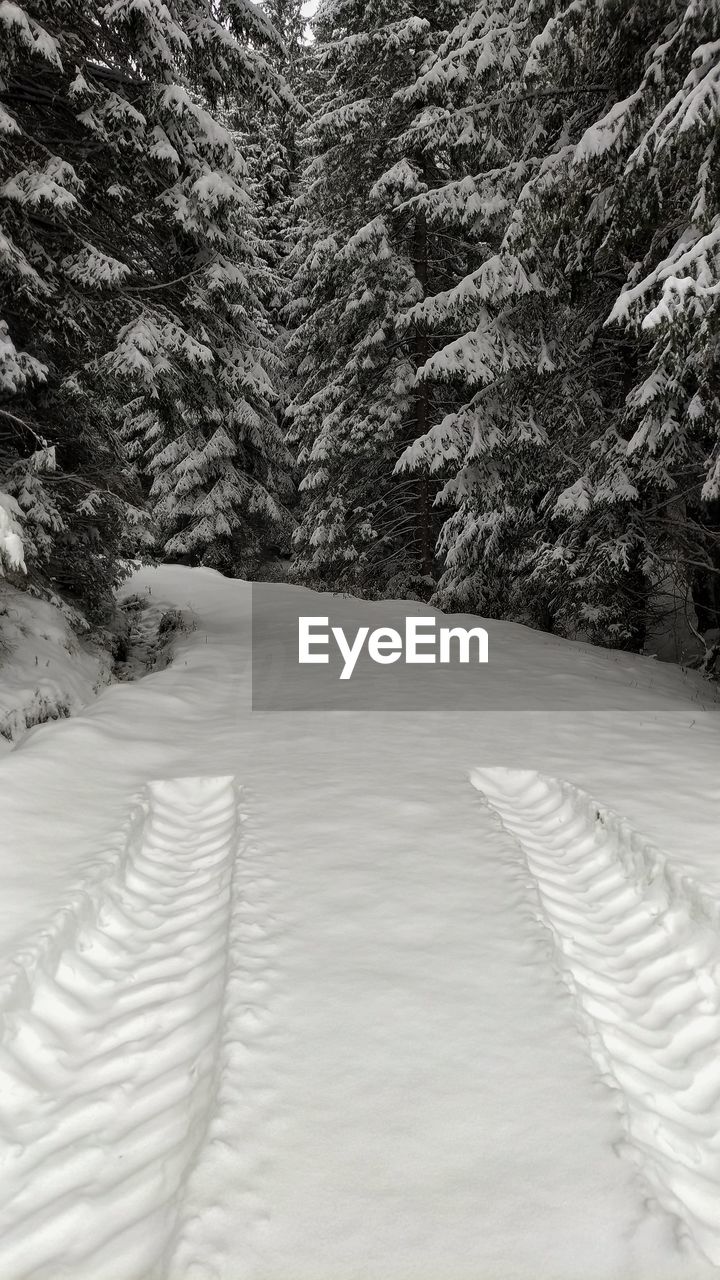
column 640, row 948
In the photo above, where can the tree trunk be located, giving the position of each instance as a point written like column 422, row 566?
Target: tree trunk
column 425, row 538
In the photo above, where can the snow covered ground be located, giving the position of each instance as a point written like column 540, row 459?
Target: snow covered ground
column 366, row 994
column 45, row 671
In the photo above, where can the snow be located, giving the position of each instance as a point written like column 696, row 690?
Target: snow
column 35, row 37
column 399, row 182
column 383, row 1046
column 8, row 123
column 11, row 546
column 162, row 148
column 176, row 100
column 87, row 1054
column 607, row 132
column 16, row 367
column 45, row 671
column 642, row 953
column 55, row 184
column 144, row 347
column 93, row 269
column 577, row 498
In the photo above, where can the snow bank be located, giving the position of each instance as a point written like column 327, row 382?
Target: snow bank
column 46, row 673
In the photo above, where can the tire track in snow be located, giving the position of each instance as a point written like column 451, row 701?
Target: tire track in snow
column 108, row 1074
column 640, row 950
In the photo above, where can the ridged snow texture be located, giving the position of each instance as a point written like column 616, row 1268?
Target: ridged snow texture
column 640, row 949
column 108, row 1059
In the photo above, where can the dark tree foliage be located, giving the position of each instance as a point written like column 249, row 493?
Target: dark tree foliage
column 132, row 286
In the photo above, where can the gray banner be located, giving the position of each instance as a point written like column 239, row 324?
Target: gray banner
column 525, row 669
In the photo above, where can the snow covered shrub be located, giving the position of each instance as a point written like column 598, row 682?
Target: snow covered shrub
column 146, row 636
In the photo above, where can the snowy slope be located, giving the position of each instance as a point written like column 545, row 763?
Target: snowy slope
column 45, row 671
column 395, row 1025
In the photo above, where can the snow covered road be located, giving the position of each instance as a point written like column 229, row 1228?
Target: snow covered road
column 365, row 1065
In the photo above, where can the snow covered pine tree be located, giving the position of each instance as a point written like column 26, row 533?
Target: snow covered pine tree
column 586, row 460
column 274, row 164
column 363, row 259
column 132, row 284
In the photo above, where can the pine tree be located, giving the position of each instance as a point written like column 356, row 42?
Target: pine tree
column 132, row 284
column 589, row 131
column 274, row 161
column 659, row 146
column 363, row 259
column 491, row 449
column 633, row 200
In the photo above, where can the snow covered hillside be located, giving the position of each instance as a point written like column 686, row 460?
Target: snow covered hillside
column 418, row 994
